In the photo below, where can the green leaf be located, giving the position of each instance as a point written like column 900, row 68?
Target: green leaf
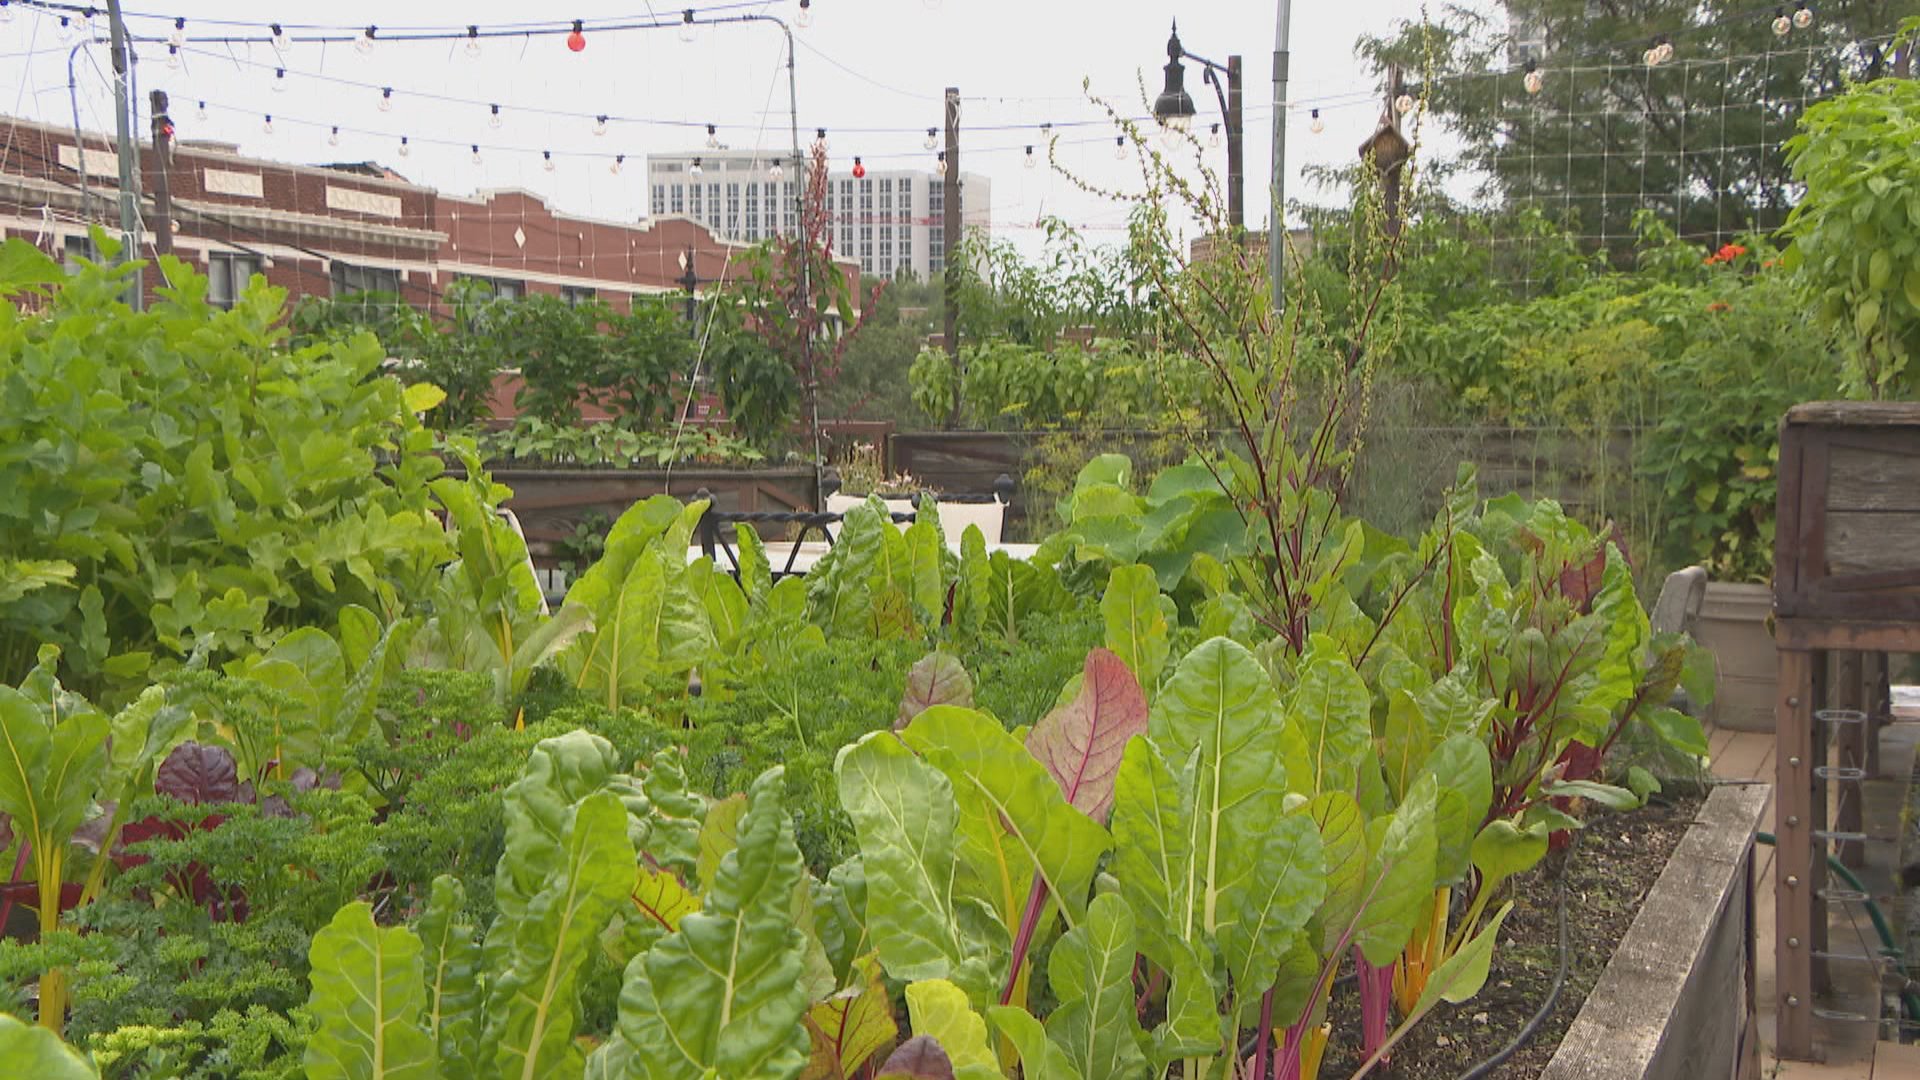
column 1289, row 884
column 1343, row 845
column 1331, row 705
column 1192, row 1027
column 756, row 572
column 1678, row 730
column 1613, row 798
column 1463, row 770
column 1503, row 849
column 851, row 1026
column 1642, row 783
column 1153, row 847
column 907, row 823
column 531, row 1008
column 1040, row 1058
column 1400, row 876
column 1462, row 975
column 937, row 678
column 451, row 1016
column 369, row 992
column 1091, row 973
column 719, row 834
column 23, row 266
column 421, row 397
column 1405, row 742
column 939, row 1010
column 28, row 1050
column 1136, row 625
column 1015, row 820
column 719, row 996
column 652, row 624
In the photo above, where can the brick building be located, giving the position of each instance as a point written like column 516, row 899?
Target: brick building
column 336, row 229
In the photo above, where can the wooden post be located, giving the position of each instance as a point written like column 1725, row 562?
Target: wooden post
column 950, row 229
column 1818, row 803
column 1793, row 894
column 1878, row 704
column 162, row 161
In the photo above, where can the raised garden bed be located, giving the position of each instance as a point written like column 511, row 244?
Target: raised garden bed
column 1658, row 982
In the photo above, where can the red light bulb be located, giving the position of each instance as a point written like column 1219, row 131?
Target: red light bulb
column 577, row 41
column 859, row 170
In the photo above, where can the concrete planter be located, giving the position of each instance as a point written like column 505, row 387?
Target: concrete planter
column 1676, row 1002
column 1733, row 625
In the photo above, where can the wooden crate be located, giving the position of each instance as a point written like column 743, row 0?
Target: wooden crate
column 1847, row 538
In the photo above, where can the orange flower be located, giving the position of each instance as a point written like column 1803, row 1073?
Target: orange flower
column 1719, row 306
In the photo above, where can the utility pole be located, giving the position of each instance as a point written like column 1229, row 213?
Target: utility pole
column 162, row 189
column 1277, row 228
column 129, row 154
column 1236, row 154
column 950, row 228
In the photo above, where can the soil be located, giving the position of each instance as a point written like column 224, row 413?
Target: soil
column 1608, row 873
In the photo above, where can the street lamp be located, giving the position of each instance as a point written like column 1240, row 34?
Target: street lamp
column 1174, row 109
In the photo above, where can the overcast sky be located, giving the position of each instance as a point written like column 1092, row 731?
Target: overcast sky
column 870, row 71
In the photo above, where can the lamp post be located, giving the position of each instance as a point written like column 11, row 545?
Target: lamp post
column 1174, row 109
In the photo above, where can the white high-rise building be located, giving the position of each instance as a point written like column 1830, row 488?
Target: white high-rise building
column 890, row 220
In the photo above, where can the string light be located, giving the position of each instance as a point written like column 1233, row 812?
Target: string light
column 473, row 42
column 940, row 164
column 1782, row 25
column 933, row 139
column 1403, row 104
column 496, row 120
column 1119, row 148
column 178, row 39
column 266, row 127
column 279, row 80
column 200, row 112
column 688, row 31
column 694, row 169
column 6, row 12
column 776, row 172
column 600, row 124
column 618, row 160
column 405, row 146
column 820, row 139
column 546, row 160
column 333, row 137
column 281, row 43
column 1803, row 16
column 364, row 46
column 1213, row 137
column 859, row 170
column 173, row 58
column 476, row 152
column 1315, row 124
column 1030, row 158
column 1533, row 80
column 386, row 99
column 713, row 137
column 66, row 30
column 805, row 18
column 577, row 38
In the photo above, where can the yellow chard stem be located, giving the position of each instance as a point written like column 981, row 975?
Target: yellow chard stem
column 53, row 982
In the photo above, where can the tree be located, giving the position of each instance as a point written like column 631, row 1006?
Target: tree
column 1699, row 138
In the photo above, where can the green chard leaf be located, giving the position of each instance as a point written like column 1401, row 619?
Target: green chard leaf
column 369, row 992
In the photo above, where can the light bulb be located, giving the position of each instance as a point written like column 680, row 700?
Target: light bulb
column 279, row 80
column 546, row 160
column 1782, row 26
column 820, row 140
column 859, row 170
column 1213, row 137
column 266, row 128
column 600, row 125
column 576, row 39
column 496, row 120
column 694, row 169
column 281, row 42
column 933, row 139
column 200, row 112
column 713, row 137
column 1119, row 148
column 776, row 172
column 1316, row 125
column 1030, row 158
column 940, row 164
column 1803, row 16
column 1534, row 81
column 178, row 39
column 618, row 160
column 173, row 58
column 805, row 18
column 405, row 147
column 1652, row 57
column 473, row 42
column 333, row 137
column 386, row 99
column 364, row 45
column 6, row 11
column 1403, row 104
column 1665, row 51
column 688, row 31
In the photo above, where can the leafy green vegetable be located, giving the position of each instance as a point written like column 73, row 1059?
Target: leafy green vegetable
column 369, row 993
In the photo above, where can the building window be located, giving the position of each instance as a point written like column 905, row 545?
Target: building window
column 227, row 276
column 75, row 248
column 787, row 200
column 906, row 199
column 753, row 212
column 906, row 249
column 733, row 211
column 349, row 279
column 498, row 288
column 679, row 198
column 659, row 199
column 694, row 196
column 575, row 295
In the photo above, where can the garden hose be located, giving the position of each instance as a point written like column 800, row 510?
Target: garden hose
column 1533, row 1023
column 1909, row 1001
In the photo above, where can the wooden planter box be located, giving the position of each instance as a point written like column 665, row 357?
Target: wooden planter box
column 550, row 503
column 1847, row 543
column 1676, row 1002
